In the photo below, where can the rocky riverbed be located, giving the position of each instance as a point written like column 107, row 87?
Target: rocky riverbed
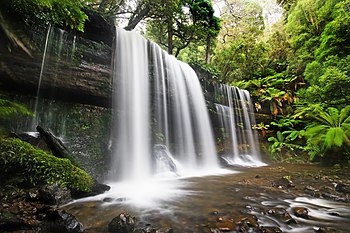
column 275, row 198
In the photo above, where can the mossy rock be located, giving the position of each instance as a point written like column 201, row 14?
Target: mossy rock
column 23, row 165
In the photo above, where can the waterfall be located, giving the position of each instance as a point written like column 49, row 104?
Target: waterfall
column 58, row 49
column 159, row 112
column 35, row 120
column 236, row 118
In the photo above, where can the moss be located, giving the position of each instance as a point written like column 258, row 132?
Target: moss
column 22, row 164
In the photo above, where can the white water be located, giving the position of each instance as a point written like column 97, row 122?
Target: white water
column 236, row 117
column 157, row 100
column 161, row 128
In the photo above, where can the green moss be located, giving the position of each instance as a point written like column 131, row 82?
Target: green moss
column 22, row 164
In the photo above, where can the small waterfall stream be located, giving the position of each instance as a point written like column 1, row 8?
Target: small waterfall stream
column 236, row 117
column 35, row 120
column 57, row 48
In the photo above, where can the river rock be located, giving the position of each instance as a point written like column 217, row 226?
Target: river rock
column 150, row 229
column 225, row 225
column 123, row 223
column 271, row 230
column 342, row 188
column 251, row 221
column 50, row 195
column 283, row 183
column 58, row 221
column 301, row 212
column 281, row 215
column 324, row 230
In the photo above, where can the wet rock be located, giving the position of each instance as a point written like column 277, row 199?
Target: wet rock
column 281, row 215
column 225, row 225
column 107, row 199
column 58, row 221
column 283, row 183
column 324, row 230
column 50, row 195
column 214, row 213
column 55, row 144
column 251, row 221
column 334, row 214
column 342, row 188
column 163, row 157
column 149, row 229
column 312, row 191
column 123, row 223
column 10, row 222
column 98, row 188
column 271, row 230
column 301, row 212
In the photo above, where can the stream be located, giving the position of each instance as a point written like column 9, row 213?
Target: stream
column 208, row 203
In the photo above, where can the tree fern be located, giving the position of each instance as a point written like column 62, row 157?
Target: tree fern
column 329, row 132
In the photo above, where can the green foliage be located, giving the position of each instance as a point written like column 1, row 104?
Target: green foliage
column 284, row 145
column 329, row 132
column 335, row 38
column 22, row 163
column 10, row 109
column 64, row 13
column 176, row 24
column 329, row 82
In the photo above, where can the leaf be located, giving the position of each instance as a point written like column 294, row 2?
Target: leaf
column 334, row 137
column 280, row 136
column 344, row 114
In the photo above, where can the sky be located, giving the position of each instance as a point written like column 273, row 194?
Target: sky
column 271, row 10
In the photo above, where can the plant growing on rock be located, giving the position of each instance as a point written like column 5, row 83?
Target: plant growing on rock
column 21, row 164
column 9, row 109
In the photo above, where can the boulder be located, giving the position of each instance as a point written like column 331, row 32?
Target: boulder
column 59, row 221
column 301, row 212
column 51, row 195
column 123, row 223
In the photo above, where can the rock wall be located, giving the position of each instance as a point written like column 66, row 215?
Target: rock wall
column 77, row 65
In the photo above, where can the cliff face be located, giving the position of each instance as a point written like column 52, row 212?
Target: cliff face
column 76, row 65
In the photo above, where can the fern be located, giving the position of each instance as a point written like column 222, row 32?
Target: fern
column 329, row 132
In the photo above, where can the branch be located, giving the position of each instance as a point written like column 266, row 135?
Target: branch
column 135, row 19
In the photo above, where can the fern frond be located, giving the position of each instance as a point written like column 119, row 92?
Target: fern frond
column 334, row 137
column 344, row 115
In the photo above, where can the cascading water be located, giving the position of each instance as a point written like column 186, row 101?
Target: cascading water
column 160, row 117
column 35, row 120
column 57, row 49
column 236, row 117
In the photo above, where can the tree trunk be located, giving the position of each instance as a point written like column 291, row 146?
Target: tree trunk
column 207, row 49
column 170, row 35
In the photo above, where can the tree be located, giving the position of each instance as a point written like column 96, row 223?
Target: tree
column 178, row 23
column 241, row 53
column 305, row 24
